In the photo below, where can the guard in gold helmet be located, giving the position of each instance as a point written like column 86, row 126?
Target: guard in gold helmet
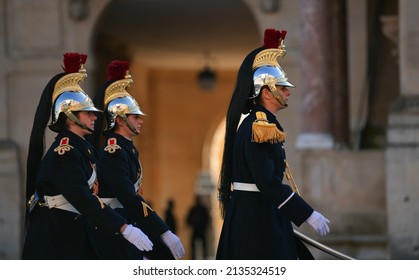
column 258, row 208
column 267, row 71
column 120, row 171
column 119, row 103
column 68, row 97
column 61, row 185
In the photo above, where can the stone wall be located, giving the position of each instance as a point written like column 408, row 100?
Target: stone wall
column 11, row 206
column 348, row 187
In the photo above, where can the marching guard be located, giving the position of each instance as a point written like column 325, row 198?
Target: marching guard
column 120, row 170
column 257, row 207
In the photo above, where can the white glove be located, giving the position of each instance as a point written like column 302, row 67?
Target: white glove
column 319, row 223
column 174, row 244
column 138, row 238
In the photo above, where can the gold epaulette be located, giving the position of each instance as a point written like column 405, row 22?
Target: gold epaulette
column 263, row 131
column 64, row 146
column 112, row 146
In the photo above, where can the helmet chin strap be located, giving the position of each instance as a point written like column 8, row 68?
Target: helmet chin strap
column 133, row 130
column 278, row 96
column 72, row 117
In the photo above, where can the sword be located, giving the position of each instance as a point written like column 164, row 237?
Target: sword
column 322, row 247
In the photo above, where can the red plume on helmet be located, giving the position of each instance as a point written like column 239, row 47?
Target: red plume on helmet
column 117, row 70
column 272, row 38
column 83, row 58
column 73, row 62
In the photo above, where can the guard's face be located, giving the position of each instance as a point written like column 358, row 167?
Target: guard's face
column 135, row 121
column 280, row 95
column 88, row 118
column 131, row 126
column 85, row 117
column 284, row 92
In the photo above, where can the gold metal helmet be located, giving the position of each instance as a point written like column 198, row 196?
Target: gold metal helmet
column 117, row 101
column 266, row 68
column 68, row 96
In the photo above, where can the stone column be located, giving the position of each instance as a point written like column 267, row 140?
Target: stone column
column 316, row 83
column 402, row 153
column 340, row 125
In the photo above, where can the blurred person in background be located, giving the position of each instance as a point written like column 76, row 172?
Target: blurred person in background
column 169, row 215
column 198, row 220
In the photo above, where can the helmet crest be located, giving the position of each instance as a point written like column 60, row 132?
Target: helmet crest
column 119, row 71
column 74, row 67
column 273, row 43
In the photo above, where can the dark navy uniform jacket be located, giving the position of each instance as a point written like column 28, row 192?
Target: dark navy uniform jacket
column 118, row 171
column 254, row 227
column 61, row 234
